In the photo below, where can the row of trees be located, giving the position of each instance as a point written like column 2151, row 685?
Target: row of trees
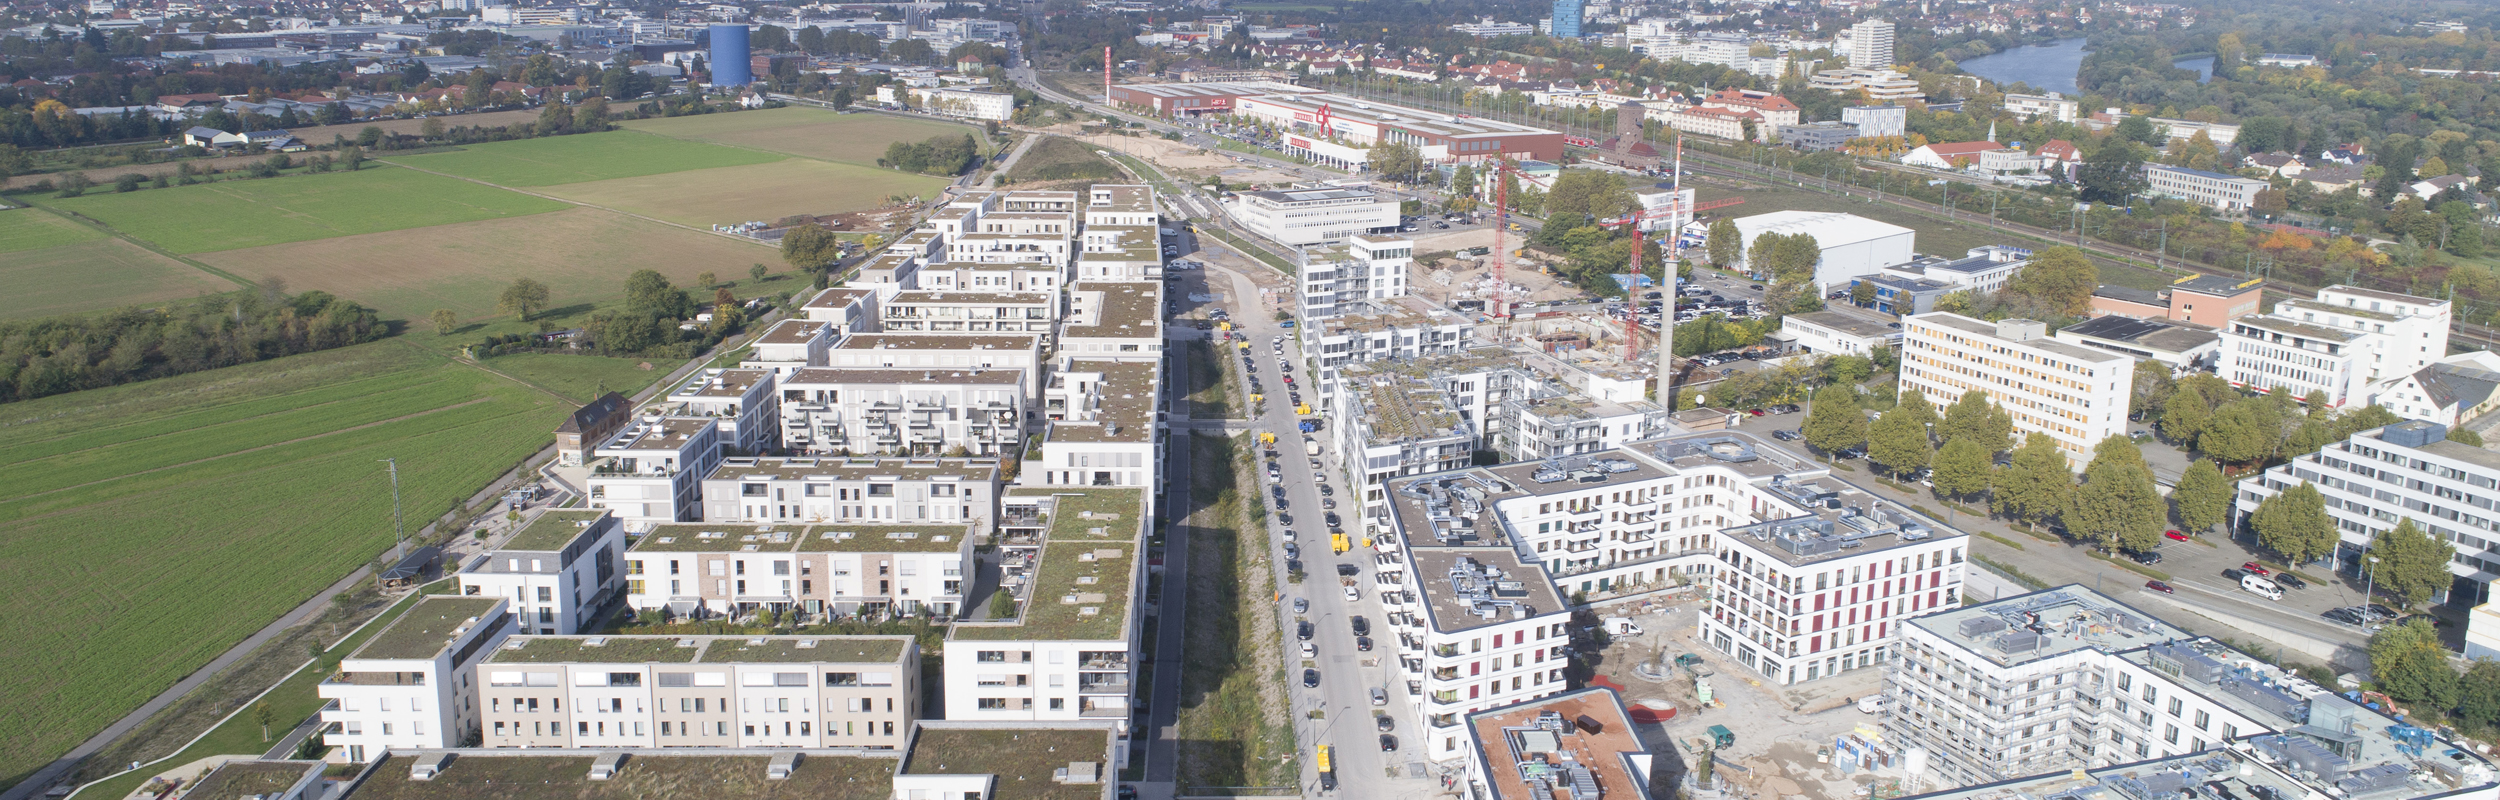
column 937, row 155
column 648, row 324
column 2412, row 667
column 54, row 355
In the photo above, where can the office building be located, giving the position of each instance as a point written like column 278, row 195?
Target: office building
column 2342, row 343
column 2209, row 300
column 1349, row 124
column 1876, row 84
column 2181, row 345
column 1838, row 334
column 1871, row 44
column 414, row 684
column 1315, row 215
column 1877, row 121
column 1069, row 559
column 1816, row 136
column 1981, row 270
column 1568, row 15
column 1366, row 267
column 603, row 692
column 729, row 61
column 966, row 103
column 1489, row 29
column 559, row 571
column 2214, row 190
column 2049, row 105
column 2409, row 470
column 1852, row 245
column 2075, row 395
column 1578, row 744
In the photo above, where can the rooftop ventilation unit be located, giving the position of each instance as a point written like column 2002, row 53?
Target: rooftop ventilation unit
column 1981, row 626
column 2375, row 779
column 2021, row 642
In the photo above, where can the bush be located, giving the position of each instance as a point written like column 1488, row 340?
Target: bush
column 129, row 182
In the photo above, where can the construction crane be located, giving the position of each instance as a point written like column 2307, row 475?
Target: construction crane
column 1631, row 321
column 1501, row 225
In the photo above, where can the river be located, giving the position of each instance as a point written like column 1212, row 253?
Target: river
column 2052, row 67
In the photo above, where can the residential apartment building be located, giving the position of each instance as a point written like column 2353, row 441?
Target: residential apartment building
column 1390, row 422
column 1001, row 276
column 1774, row 109
column 840, row 570
column 927, row 311
column 829, row 411
column 1316, row 215
column 1069, row 557
column 1113, row 321
column 653, row 470
column 413, row 685
column 1365, row 267
column 794, row 344
column 1477, row 629
column 2342, row 343
column 1397, row 327
column 2451, row 391
column 929, row 352
column 2384, row 476
column 1878, row 120
column 1566, row 745
column 852, row 490
column 1871, row 44
column 2050, row 105
column 1120, row 253
column 2069, row 692
column 850, row 310
column 2075, row 395
column 1102, row 427
column 1718, row 123
column 741, row 401
column 2214, row 190
column 559, row 571
column 589, row 425
column 607, row 692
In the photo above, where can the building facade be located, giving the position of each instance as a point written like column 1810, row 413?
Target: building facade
column 1315, row 216
column 2383, row 476
column 2075, row 395
column 414, row 684
column 1871, row 44
column 604, row 692
column 841, row 570
column 2214, row 190
column 558, row 572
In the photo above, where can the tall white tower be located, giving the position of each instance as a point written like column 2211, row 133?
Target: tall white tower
column 1870, row 45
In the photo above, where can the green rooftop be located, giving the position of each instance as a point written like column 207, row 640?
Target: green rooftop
column 826, row 649
column 241, row 779
column 1077, row 512
column 1080, row 591
column 426, row 628
column 719, row 537
column 930, row 538
column 1022, row 759
column 552, row 531
column 579, row 650
column 567, row 777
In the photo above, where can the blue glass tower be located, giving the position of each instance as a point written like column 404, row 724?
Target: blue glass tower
column 1567, row 14
column 730, row 61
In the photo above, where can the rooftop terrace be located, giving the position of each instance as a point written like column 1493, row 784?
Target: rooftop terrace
column 427, row 627
column 2069, row 618
column 1082, row 580
column 836, row 468
column 250, row 780
column 1024, row 759
column 565, row 775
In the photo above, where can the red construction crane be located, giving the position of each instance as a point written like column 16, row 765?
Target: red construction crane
column 1631, row 319
column 1501, row 224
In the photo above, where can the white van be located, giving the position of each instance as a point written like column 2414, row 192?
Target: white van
column 2259, row 586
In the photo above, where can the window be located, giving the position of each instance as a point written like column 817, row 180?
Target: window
column 993, row 704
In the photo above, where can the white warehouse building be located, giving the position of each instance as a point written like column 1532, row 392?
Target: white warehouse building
column 1853, row 246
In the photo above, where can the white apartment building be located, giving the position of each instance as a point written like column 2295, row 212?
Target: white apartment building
column 2214, row 190
column 1476, row 629
column 1007, row 276
column 849, row 310
column 1871, row 44
column 1113, row 321
column 939, row 311
column 1877, row 121
column 794, row 344
column 1398, row 327
column 2067, row 690
column 1391, row 422
column 652, row 471
column 841, row 570
column 1103, row 420
column 2051, row 105
column 413, row 685
column 1120, row 253
column 558, row 571
column 607, row 692
column 929, row 352
column 852, row 490
column 2408, row 470
column 967, row 103
column 1070, row 559
column 2345, row 342
column 1365, row 267
column 742, row 402
column 1121, row 205
column 1315, row 215
column 2076, row 395
column 829, row 411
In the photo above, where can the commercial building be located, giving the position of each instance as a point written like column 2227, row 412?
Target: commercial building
column 841, row 570
column 1902, row 296
column 1315, row 215
column 966, row 103
column 2408, row 470
column 1877, row 84
column 1813, row 136
column 855, row 411
column 1836, row 333
column 1981, row 270
column 1355, row 123
column 2214, row 190
column 1070, row 560
column 1336, row 278
column 1877, row 121
column 1568, row 15
column 1577, row 744
column 558, row 572
column 604, row 692
column 2051, row 105
column 1948, row 155
column 2342, row 343
column 1852, row 245
column 851, row 490
column 1871, row 44
column 2209, row 300
column 2181, row 345
column 2075, row 395
column 414, row 684
column 1195, row 99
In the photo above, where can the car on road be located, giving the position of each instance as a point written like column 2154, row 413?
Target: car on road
column 1293, row 566
column 1310, row 679
column 1384, row 723
column 2234, row 575
column 2291, row 580
column 1309, row 651
column 1788, row 435
column 1293, row 550
column 1289, row 535
column 1388, row 743
column 2255, row 568
column 1302, row 630
column 1363, row 643
column 2174, row 535
column 1301, row 605
column 1362, row 627
column 2159, row 586
column 1281, row 504
column 2147, row 558
column 1348, row 570
column 1784, row 408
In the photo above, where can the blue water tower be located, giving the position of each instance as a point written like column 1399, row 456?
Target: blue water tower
column 729, row 60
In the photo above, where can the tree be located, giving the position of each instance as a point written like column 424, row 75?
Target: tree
column 706, row 278
column 2412, row 564
column 2478, row 693
column 1590, row 192
column 523, row 298
column 1961, row 469
column 1913, row 403
column 1463, row 182
column 2366, row 418
column 444, row 321
column 1760, row 257
column 2113, row 173
column 2060, row 279
column 1863, row 294
column 810, row 247
column 1835, row 423
column 2036, row 486
column 2151, row 388
column 2203, row 497
column 1396, row 161
column 759, row 270
column 2465, row 437
column 649, row 292
column 1726, row 243
column 2294, row 524
column 2184, row 417
column 2412, row 666
column 1975, row 419
column 2118, row 505
column 2241, row 431
column 1794, row 258
column 353, row 158
column 1898, row 442
column 264, row 716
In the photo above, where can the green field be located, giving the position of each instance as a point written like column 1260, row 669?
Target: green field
column 34, row 229
column 583, row 157
column 764, row 192
column 809, row 132
column 249, row 213
column 146, row 528
column 95, row 275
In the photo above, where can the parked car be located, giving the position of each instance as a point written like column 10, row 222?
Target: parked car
column 1302, row 630
column 2291, row 580
column 2174, row 535
column 2147, row 557
column 1362, row 627
column 1310, row 679
column 1789, row 435
column 1348, row 570
column 1293, row 550
column 2159, row 586
column 2348, row 616
column 2234, row 575
column 1289, row 535
column 1388, row 743
column 1363, row 643
column 1309, row 651
column 1384, row 723
column 2255, row 568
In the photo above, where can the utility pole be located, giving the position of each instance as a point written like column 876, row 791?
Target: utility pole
column 2162, row 251
column 399, row 528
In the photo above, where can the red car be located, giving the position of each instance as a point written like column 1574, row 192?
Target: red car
column 2158, row 586
column 2175, row 535
column 2254, row 569
column 1756, row 412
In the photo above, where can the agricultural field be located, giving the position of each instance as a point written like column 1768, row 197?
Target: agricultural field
column 227, row 215
column 1058, row 158
column 56, row 266
column 808, row 132
column 582, row 255
column 765, row 192
column 560, row 160
column 146, row 528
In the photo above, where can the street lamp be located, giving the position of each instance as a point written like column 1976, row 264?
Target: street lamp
column 2369, row 585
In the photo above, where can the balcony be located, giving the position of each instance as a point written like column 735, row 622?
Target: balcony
column 1445, row 651
column 1100, row 660
column 1445, row 674
column 1444, row 697
column 1105, row 707
column 1113, row 683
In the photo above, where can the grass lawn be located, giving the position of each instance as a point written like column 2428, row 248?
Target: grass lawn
column 766, row 192
column 146, row 528
column 247, row 213
column 582, row 378
column 802, row 131
column 582, row 254
column 1234, row 719
column 94, row 275
column 559, row 160
column 1058, row 158
column 35, row 229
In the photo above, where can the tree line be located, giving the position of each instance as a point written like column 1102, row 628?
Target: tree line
column 57, row 355
column 937, row 155
column 651, row 323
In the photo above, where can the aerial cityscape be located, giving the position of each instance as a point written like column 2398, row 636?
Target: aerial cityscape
column 1119, row 399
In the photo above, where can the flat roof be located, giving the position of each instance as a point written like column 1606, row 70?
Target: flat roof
column 2357, row 291
column 668, row 433
column 956, row 341
column 968, row 298
column 1023, row 759
column 1123, row 197
column 2160, row 334
column 2070, row 618
column 2043, row 344
column 805, row 649
column 1127, row 410
column 1409, row 119
column 1512, row 738
column 427, row 628
column 565, row 775
column 1465, row 588
column 2349, row 311
column 836, row 468
column 593, row 650
column 1400, row 408
column 2130, row 294
column 1830, row 228
column 1846, row 323
column 990, row 376
column 1084, row 574
column 730, row 383
column 1211, row 88
column 792, row 331
column 700, row 537
column 2218, row 285
column 2235, row 179
column 249, row 780
column 926, row 538
column 1127, row 309
column 2307, row 330
column 551, row 531
column 837, row 297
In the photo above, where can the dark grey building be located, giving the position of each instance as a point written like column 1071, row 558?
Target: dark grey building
column 1818, row 135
